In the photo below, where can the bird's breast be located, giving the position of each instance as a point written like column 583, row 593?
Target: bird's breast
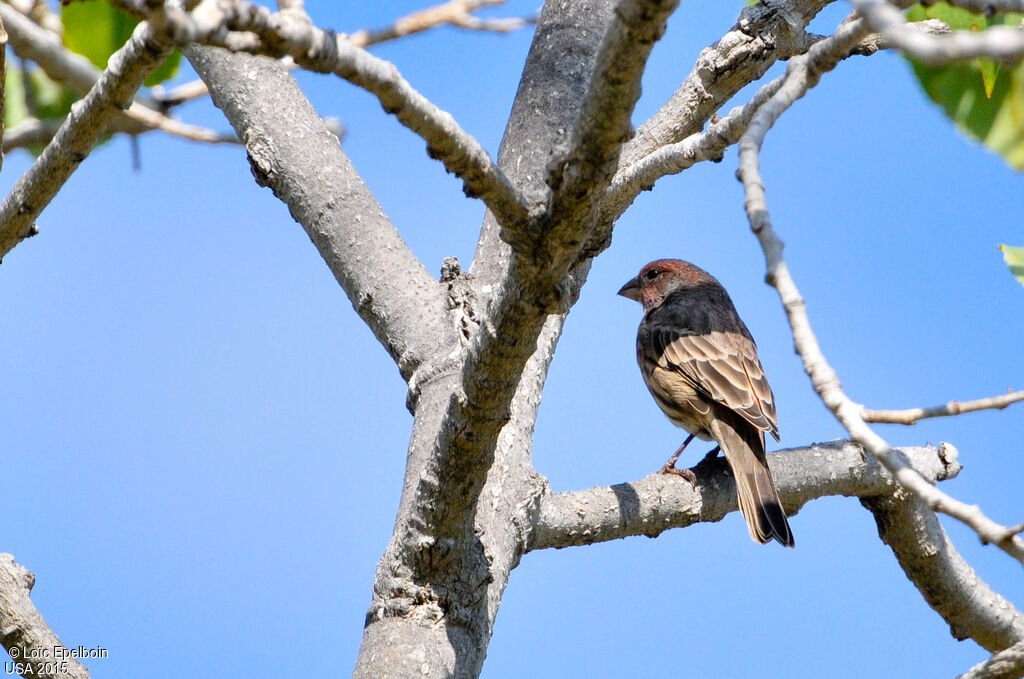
column 678, row 400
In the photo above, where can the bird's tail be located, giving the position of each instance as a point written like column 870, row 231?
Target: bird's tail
column 743, row 446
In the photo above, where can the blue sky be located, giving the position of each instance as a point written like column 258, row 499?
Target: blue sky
column 205, row 445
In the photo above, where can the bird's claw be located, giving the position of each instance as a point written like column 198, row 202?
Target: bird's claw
column 685, row 473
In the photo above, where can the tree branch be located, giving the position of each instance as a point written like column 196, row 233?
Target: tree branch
column 4, row 38
column 438, row 572
column 997, row 42
column 659, row 502
column 34, row 132
column 763, row 34
column 710, row 144
column 125, row 73
column 25, row 634
column 280, row 34
column 802, row 74
column 948, row 583
column 1006, row 664
column 675, row 158
column 579, row 177
column 457, row 13
column 292, row 152
column 39, row 45
column 536, row 285
column 912, row 415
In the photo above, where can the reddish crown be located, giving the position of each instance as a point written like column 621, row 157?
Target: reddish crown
column 660, row 278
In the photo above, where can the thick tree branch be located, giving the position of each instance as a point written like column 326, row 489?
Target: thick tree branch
column 802, row 74
column 536, row 285
column 293, row 153
column 89, row 118
column 24, row 633
column 437, row 568
column 1006, row 664
column 499, row 349
column 913, row 415
column 947, row 582
column 659, row 502
column 579, row 178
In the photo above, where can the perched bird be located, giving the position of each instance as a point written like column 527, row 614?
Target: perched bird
column 700, row 364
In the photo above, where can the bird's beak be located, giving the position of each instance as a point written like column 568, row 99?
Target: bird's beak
column 631, row 290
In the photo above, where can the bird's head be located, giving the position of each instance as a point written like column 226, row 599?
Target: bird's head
column 662, row 277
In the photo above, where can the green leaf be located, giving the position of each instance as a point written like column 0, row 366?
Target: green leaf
column 997, row 121
column 1015, row 260
column 958, row 19
column 53, row 99
column 989, row 71
column 15, row 109
column 96, row 30
column 985, row 100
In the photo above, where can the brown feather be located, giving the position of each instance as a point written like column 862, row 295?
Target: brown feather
column 700, row 364
column 755, row 490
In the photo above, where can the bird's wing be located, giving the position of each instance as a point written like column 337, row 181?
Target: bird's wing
column 722, row 367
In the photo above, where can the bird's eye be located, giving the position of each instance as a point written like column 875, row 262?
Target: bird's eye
column 651, row 274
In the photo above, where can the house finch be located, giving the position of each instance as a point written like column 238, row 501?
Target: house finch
column 700, row 364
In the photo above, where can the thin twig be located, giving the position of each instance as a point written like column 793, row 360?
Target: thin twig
column 457, row 13
column 181, row 94
column 675, row 158
column 60, row 64
column 803, row 73
column 258, row 30
column 154, row 120
column 912, row 415
column 35, row 132
column 710, row 144
column 764, row 33
column 3, row 84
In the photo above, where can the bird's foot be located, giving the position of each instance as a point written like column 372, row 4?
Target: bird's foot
column 670, row 468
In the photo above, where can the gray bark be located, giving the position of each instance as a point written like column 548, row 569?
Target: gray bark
column 35, row 649
column 475, row 346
